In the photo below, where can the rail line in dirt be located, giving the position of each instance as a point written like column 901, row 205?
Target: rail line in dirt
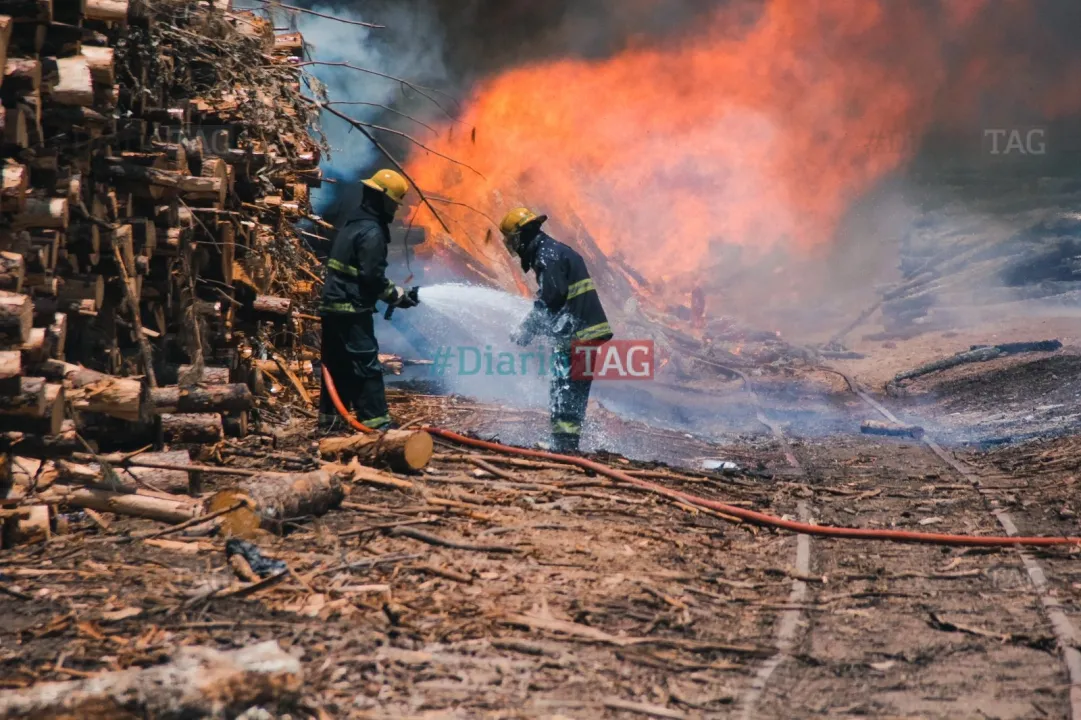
column 1065, row 632
column 787, row 624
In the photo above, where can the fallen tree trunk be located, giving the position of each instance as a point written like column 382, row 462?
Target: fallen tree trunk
column 198, row 682
column 201, row 399
column 401, row 450
column 980, row 354
column 191, row 428
column 271, row 499
column 877, row 427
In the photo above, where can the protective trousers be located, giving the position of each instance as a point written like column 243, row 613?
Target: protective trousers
column 351, row 353
column 568, row 399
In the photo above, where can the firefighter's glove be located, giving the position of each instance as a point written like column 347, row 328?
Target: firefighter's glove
column 398, row 297
column 408, row 299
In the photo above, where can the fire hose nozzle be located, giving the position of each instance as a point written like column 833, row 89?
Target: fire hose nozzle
column 413, row 294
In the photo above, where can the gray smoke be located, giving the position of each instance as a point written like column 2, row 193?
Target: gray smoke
column 410, row 46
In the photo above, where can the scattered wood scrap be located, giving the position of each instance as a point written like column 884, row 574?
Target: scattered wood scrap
column 198, row 682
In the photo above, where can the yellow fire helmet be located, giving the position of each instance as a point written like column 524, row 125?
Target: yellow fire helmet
column 518, row 218
column 390, row 183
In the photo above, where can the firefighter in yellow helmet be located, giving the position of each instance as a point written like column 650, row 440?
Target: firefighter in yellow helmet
column 567, row 309
column 355, row 280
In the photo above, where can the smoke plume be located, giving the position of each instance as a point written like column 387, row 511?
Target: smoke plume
column 688, row 138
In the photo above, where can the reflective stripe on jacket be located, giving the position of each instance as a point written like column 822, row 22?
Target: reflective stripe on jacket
column 357, row 265
column 567, row 306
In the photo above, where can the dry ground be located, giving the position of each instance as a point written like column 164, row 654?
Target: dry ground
column 584, row 599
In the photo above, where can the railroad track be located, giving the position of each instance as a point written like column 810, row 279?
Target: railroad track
column 1065, row 631
column 787, row 624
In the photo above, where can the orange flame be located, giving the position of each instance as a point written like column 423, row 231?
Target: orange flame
column 759, row 131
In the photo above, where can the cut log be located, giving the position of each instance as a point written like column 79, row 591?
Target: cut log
column 100, row 61
column 114, row 11
column 36, row 445
column 144, row 234
column 301, row 368
column 153, row 506
column 198, row 682
column 37, row 11
column 16, row 318
column 214, row 172
column 35, row 349
column 76, row 85
column 201, row 399
column 53, row 422
column 134, row 477
column 74, row 290
column 116, row 397
column 26, row 525
column 22, row 75
column 401, row 450
column 271, row 305
column 74, row 376
column 191, row 428
column 291, row 43
column 56, row 335
column 209, row 376
column 42, row 213
column 10, row 366
column 16, row 179
column 150, row 182
column 29, row 401
column 877, row 427
column 12, row 271
column 173, row 481
column 14, row 122
column 235, row 424
column 269, row 500
column 6, row 25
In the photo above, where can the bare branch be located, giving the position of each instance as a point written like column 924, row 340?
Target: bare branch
column 420, row 89
column 294, row 8
column 465, row 205
column 386, row 153
column 410, row 138
column 387, row 108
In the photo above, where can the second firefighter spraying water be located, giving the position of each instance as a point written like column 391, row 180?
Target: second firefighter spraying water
column 355, row 281
column 567, row 309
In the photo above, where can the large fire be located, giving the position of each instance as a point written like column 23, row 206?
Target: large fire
column 759, row 130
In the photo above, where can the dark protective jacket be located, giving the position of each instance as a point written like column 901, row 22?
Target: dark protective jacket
column 357, row 265
column 567, row 306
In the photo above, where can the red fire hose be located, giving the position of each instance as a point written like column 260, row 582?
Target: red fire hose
column 749, row 515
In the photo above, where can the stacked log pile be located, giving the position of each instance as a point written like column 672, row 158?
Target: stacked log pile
column 156, row 154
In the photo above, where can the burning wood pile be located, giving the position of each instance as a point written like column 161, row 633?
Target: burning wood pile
column 156, row 155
